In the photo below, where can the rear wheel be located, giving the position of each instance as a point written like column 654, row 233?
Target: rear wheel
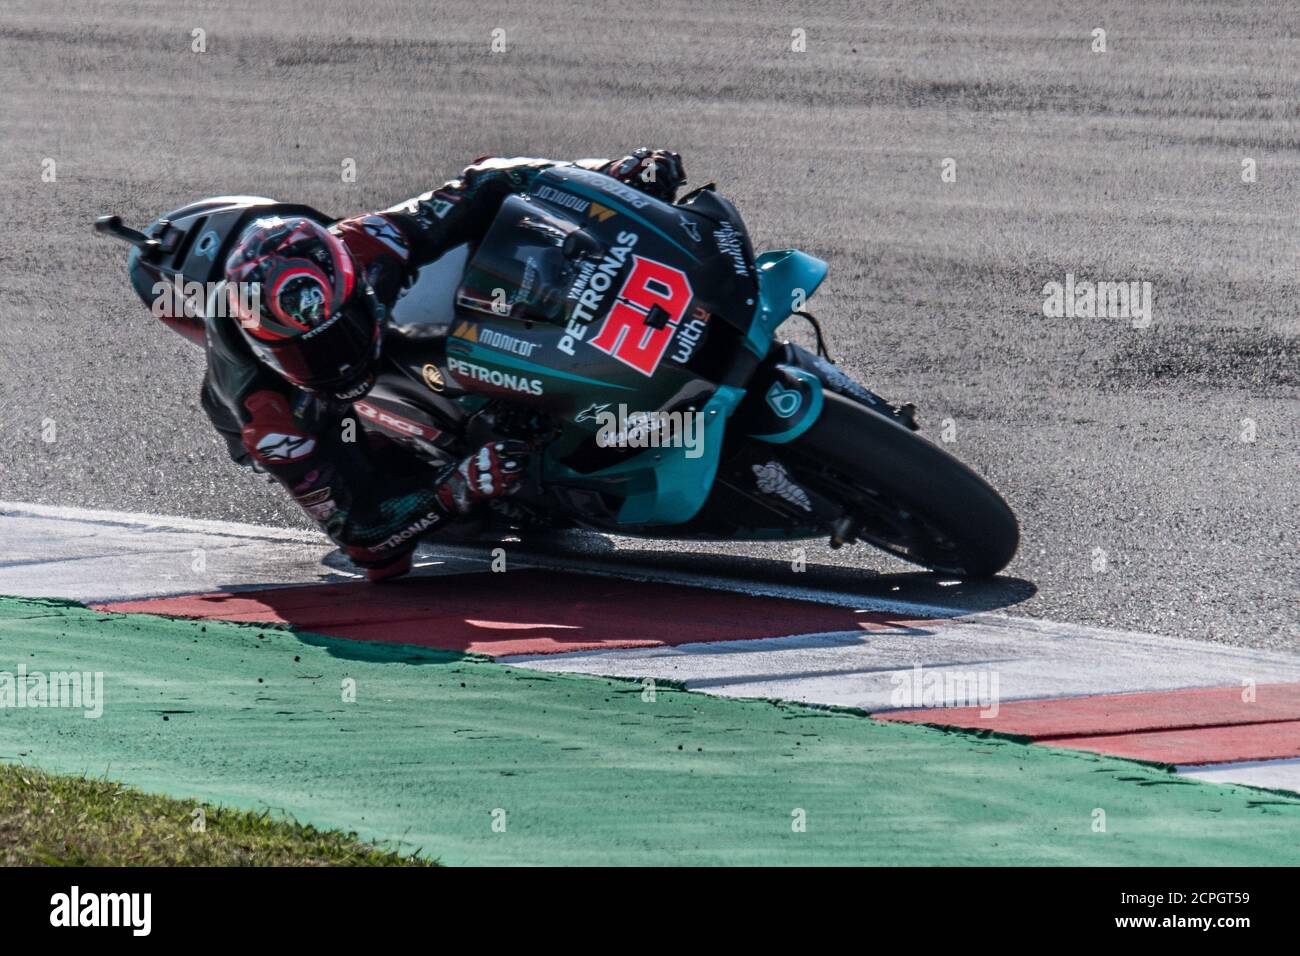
column 903, row 494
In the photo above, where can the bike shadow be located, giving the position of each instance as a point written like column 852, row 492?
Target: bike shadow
column 928, row 589
column 562, row 596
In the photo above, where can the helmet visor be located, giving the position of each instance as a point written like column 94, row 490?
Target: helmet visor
column 340, row 351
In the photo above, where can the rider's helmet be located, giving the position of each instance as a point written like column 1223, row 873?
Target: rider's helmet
column 315, row 321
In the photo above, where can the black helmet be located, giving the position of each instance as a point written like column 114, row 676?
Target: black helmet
column 316, row 322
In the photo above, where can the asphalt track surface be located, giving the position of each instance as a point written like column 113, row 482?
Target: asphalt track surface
column 1123, row 166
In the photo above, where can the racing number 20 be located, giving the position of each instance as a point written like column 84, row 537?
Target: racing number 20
column 627, row 334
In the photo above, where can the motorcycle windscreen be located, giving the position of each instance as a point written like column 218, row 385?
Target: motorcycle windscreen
column 525, row 265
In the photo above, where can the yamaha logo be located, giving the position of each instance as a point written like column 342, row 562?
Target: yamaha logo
column 433, row 378
column 207, row 245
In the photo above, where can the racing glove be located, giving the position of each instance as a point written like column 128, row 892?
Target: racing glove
column 493, row 471
column 658, row 172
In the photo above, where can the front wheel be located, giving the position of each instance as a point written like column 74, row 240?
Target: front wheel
column 903, row 494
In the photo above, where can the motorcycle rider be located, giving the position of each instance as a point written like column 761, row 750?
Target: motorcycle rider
column 281, row 380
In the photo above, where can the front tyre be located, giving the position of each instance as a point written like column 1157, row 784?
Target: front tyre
column 903, row 494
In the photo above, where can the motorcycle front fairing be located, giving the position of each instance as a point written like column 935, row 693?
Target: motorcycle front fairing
column 588, row 299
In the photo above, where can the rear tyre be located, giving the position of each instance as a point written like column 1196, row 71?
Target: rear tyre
column 903, row 494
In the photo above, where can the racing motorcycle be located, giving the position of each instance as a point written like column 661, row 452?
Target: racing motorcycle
column 632, row 342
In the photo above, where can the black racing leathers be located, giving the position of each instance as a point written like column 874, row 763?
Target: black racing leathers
column 371, row 500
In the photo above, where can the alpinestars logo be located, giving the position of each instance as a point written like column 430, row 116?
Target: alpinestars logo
column 591, row 412
column 377, row 227
column 773, row 480
column 277, row 446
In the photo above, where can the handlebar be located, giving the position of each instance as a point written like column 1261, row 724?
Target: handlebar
column 113, row 226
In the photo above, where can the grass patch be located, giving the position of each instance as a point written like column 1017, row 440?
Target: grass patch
column 52, row 820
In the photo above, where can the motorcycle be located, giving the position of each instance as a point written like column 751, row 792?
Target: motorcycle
column 632, row 342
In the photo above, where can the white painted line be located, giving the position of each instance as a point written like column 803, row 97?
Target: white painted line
column 93, row 556
column 1268, row 774
column 133, row 519
column 980, row 658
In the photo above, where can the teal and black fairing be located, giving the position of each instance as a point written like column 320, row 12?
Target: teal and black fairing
column 787, row 278
column 521, row 335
